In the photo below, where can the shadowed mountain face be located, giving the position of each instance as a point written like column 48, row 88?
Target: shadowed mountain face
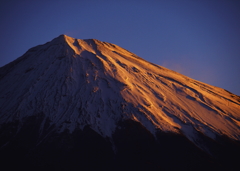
column 74, row 104
column 131, row 148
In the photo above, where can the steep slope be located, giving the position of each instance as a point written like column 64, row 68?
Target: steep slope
column 87, row 82
column 68, row 85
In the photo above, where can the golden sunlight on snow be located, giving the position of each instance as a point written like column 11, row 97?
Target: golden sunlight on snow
column 171, row 101
column 111, row 83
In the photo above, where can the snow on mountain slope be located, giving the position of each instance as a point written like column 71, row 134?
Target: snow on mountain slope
column 75, row 83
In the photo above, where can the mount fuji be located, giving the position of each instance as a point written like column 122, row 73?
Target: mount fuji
column 73, row 104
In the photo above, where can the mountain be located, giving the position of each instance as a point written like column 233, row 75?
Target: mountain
column 74, row 104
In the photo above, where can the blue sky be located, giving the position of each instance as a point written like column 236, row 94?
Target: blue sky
column 198, row 38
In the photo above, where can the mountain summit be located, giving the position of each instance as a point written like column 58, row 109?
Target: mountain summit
column 87, row 91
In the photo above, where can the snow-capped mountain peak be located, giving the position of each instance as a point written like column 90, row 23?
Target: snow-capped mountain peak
column 73, row 104
column 74, row 83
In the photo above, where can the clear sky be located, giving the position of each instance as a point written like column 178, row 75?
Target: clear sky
column 198, row 38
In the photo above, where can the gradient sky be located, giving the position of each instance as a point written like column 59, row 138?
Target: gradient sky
column 198, row 38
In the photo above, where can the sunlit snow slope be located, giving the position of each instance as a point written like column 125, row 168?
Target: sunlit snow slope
column 75, row 83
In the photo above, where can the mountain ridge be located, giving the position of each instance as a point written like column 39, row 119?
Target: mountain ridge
column 109, row 60
column 100, row 91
